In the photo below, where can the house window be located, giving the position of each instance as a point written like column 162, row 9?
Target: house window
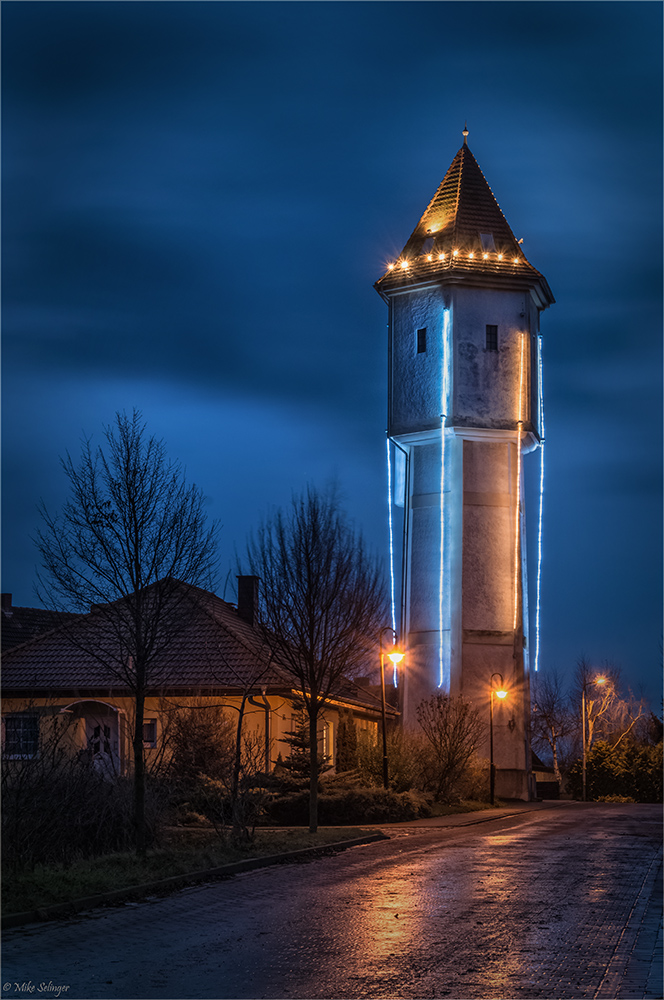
column 150, row 733
column 422, row 340
column 488, row 243
column 21, row 735
column 492, row 338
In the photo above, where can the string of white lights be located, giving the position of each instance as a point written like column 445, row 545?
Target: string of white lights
column 541, row 503
column 517, row 514
column 405, row 263
column 391, row 531
column 444, row 406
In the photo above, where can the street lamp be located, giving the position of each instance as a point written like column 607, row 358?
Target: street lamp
column 598, row 680
column 500, row 692
column 395, row 656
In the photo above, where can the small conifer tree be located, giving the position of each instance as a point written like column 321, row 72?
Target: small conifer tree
column 298, row 761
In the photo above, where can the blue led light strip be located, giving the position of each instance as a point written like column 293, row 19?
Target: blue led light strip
column 389, row 521
column 443, row 406
column 541, row 502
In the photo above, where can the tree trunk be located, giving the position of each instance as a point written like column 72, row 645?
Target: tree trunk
column 313, row 757
column 556, row 768
column 139, row 775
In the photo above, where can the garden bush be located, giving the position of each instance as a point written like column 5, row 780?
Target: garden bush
column 67, row 811
column 629, row 769
column 621, row 799
column 347, row 806
column 405, row 751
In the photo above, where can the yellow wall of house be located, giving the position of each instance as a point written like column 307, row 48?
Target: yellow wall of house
column 74, row 723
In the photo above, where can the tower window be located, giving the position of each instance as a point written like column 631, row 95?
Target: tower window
column 422, row 340
column 488, row 242
column 492, row 338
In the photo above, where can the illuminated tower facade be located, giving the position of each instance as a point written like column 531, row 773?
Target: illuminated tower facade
column 464, row 407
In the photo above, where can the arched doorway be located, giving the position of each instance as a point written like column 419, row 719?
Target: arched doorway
column 100, row 732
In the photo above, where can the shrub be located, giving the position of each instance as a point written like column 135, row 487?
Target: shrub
column 615, row 798
column 200, row 740
column 453, row 731
column 67, row 810
column 347, row 806
column 414, row 765
column 473, row 785
column 405, row 755
column 628, row 769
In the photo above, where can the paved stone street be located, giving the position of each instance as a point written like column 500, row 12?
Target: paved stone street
column 555, row 902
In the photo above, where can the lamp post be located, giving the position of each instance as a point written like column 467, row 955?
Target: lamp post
column 395, row 656
column 598, row 680
column 500, row 693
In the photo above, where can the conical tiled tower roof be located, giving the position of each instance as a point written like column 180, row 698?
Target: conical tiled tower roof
column 462, row 234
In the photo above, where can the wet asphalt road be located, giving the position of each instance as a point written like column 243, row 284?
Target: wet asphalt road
column 560, row 902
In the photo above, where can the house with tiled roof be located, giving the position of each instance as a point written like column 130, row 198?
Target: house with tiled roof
column 217, row 655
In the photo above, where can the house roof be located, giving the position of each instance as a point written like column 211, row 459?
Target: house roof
column 462, row 235
column 18, row 624
column 213, row 649
column 538, row 765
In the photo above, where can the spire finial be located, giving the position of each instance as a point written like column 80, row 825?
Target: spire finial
column 465, row 134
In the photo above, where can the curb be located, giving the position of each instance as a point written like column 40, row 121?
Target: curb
column 478, row 816
column 72, row 907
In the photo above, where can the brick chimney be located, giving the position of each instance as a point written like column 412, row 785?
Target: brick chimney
column 247, row 598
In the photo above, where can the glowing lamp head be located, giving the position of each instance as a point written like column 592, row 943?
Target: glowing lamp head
column 516, row 260
column 404, row 264
column 429, row 256
column 390, row 267
column 600, row 680
column 395, row 657
column 500, row 256
column 441, row 256
column 485, row 256
column 455, row 253
column 471, row 255
column 501, row 694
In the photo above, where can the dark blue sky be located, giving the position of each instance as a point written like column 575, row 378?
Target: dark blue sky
column 198, row 197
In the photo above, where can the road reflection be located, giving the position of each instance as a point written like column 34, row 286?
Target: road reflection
column 390, row 918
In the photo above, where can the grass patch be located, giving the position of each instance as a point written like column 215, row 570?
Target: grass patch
column 184, row 851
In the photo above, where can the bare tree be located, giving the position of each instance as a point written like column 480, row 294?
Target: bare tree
column 454, row 730
column 609, row 715
column 553, row 721
column 130, row 535
column 321, row 603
